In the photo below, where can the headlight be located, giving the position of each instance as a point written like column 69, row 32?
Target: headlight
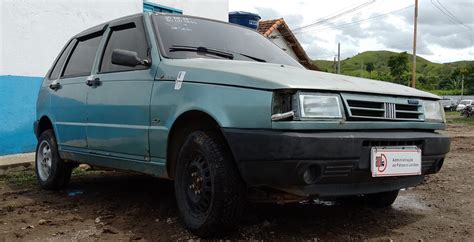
column 434, row 111
column 319, row 105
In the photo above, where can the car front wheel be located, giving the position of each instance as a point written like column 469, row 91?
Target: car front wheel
column 209, row 190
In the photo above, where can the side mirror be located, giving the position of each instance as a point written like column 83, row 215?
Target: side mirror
column 127, row 58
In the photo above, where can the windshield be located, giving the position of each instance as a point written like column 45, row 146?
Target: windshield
column 184, row 37
column 465, row 102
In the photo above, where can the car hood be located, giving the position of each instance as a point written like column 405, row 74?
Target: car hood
column 274, row 76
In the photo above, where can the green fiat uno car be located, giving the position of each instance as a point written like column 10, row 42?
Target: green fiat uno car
column 229, row 117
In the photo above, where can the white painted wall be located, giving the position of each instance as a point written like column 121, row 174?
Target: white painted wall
column 214, row 9
column 34, row 31
column 276, row 38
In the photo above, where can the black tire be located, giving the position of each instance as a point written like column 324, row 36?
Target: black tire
column 209, row 190
column 381, row 200
column 59, row 172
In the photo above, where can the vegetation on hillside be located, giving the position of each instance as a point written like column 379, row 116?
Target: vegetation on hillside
column 441, row 79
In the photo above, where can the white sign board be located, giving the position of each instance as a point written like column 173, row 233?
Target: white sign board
column 395, row 161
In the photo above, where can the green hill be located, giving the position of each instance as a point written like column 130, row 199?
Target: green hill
column 431, row 76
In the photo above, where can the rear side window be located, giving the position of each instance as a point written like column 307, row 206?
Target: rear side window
column 82, row 58
column 59, row 64
column 130, row 37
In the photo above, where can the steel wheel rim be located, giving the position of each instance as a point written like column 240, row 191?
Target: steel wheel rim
column 44, row 160
column 198, row 184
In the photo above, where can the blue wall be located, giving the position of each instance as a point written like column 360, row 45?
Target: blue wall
column 153, row 7
column 17, row 112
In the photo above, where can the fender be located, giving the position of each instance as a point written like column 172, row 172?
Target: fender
column 230, row 107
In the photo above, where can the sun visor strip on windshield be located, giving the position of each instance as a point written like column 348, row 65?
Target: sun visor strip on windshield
column 92, row 32
column 124, row 20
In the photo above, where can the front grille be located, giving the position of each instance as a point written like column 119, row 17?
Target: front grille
column 361, row 107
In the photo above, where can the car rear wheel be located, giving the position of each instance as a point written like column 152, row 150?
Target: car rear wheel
column 209, row 190
column 52, row 172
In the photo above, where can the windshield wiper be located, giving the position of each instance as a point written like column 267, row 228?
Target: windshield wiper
column 253, row 58
column 202, row 49
column 221, row 53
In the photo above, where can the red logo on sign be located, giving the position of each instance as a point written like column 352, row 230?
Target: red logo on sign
column 381, row 163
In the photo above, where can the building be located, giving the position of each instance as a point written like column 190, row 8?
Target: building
column 32, row 33
column 279, row 33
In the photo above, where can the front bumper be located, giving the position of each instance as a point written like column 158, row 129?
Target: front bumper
column 278, row 159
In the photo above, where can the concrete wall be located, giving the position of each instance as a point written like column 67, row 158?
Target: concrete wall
column 17, row 111
column 32, row 32
column 215, row 9
column 276, row 38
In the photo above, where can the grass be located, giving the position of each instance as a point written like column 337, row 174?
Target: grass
column 462, row 120
column 19, row 178
column 445, row 92
column 456, row 118
column 380, row 60
column 28, row 176
column 432, row 72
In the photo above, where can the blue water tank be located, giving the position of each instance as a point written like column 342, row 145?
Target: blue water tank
column 246, row 19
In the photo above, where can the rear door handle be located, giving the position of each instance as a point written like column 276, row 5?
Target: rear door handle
column 93, row 82
column 55, row 85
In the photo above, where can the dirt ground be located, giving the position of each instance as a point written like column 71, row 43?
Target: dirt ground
column 101, row 205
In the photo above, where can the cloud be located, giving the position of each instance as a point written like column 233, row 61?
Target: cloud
column 316, row 47
column 390, row 34
column 435, row 28
column 428, row 14
column 293, row 20
column 439, row 39
column 267, row 13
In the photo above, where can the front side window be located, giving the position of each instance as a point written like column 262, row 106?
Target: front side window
column 82, row 58
column 184, row 37
column 59, row 64
column 126, row 37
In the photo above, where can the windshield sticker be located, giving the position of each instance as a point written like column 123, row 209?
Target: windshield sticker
column 179, row 80
column 181, row 29
column 181, row 20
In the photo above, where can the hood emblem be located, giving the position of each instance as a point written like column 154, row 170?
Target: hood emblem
column 413, row 101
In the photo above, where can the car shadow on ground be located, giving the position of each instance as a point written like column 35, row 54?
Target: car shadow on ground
column 143, row 207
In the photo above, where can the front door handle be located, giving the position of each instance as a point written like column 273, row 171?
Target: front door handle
column 55, row 85
column 93, row 82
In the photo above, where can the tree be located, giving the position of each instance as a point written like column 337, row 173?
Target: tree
column 398, row 66
column 466, row 73
column 469, row 78
column 369, row 67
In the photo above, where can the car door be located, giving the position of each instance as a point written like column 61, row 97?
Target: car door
column 68, row 99
column 118, row 100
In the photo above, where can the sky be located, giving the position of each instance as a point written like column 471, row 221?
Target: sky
column 362, row 25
